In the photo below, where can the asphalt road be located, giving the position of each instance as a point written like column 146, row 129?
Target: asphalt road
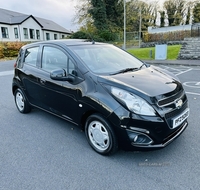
column 39, row 151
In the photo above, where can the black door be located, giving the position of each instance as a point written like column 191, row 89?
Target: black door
column 59, row 97
column 29, row 75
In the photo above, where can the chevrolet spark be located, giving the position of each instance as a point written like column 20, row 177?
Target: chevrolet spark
column 118, row 100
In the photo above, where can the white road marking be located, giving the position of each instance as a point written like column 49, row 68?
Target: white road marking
column 5, row 73
column 177, row 70
column 192, row 84
column 182, row 72
column 193, row 93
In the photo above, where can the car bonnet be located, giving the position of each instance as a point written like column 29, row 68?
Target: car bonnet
column 150, row 81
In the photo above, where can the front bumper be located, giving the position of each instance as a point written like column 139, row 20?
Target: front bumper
column 144, row 132
column 166, row 141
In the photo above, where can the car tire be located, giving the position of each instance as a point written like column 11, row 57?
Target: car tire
column 100, row 135
column 21, row 102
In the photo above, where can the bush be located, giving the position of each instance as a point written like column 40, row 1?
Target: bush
column 167, row 36
column 80, row 35
column 10, row 49
column 107, row 35
column 1, row 52
column 100, row 36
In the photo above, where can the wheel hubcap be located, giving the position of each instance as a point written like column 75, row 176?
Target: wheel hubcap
column 98, row 135
column 20, row 101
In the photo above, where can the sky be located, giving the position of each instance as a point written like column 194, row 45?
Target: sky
column 60, row 11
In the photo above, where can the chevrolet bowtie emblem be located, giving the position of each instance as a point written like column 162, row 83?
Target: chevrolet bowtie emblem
column 178, row 103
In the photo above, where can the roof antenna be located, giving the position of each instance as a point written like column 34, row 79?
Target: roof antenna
column 91, row 38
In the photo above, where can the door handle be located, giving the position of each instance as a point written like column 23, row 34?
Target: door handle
column 42, row 81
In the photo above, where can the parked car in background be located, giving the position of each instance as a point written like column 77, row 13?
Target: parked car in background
column 118, row 100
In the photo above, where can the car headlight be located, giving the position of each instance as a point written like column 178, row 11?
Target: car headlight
column 133, row 102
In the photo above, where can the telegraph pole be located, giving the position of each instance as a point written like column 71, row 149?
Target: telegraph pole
column 124, row 24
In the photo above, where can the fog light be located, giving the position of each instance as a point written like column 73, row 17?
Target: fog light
column 143, row 139
column 139, row 138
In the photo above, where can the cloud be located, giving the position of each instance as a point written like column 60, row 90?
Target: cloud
column 61, row 11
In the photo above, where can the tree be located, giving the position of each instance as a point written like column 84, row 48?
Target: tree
column 188, row 16
column 196, row 13
column 148, row 15
column 162, row 18
column 189, row 9
column 180, row 11
column 103, row 14
column 98, row 13
column 170, row 8
column 107, row 14
column 175, row 10
column 114, row 13
column 82, row 16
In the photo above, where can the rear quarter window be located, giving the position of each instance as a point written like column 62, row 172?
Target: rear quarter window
column 19, row 59
column 30, row 56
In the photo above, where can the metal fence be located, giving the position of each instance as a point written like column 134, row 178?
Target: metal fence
column 195, row 30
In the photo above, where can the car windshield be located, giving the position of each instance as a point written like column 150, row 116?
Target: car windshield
column 106, row 59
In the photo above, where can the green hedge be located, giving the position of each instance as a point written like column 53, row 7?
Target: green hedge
column 167, row 36
column 10, row 49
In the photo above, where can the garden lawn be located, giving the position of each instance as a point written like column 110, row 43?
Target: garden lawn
column 144, row 53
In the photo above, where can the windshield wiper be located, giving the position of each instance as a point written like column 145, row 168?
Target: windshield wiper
column 142, row 66
column 124, row 71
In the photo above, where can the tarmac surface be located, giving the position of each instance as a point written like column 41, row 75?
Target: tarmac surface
column 175, row 62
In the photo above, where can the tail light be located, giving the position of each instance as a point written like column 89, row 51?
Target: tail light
column 15, row 64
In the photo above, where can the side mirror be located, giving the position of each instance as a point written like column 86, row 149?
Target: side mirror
column 61, row 75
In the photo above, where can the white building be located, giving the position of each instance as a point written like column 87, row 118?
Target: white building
column 16, row 26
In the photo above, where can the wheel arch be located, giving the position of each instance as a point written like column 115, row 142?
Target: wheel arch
column 107, row 118
column 87, row 114
column 14, row 88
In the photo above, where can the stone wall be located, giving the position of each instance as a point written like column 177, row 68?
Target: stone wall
column 153, row 44
column 190, row 49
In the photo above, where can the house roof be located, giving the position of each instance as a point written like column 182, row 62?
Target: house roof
column 11, row 18
column 50, row 25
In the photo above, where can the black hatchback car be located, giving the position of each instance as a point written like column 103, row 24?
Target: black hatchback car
column 118, row 100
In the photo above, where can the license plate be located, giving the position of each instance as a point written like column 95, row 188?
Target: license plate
column 181, row 118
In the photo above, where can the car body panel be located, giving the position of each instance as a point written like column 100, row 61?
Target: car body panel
column 88, row 92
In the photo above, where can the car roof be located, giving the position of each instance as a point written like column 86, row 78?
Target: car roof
column 67, row 42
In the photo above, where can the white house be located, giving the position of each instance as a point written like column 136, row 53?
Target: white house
column 16, row 26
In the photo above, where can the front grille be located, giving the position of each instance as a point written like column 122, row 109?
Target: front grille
column 171, row 99
column 168, row 105
column 175, row 112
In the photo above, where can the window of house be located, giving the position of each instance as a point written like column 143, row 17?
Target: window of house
column 4, row 31
column 55, row 36
column 47, row 36
column 25, row 33
column 16, row 33
column 63, row 36
column 38, row 34
column 31, row 56
column 32, row 33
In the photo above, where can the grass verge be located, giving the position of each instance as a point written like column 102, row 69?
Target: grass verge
column 144, row 53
